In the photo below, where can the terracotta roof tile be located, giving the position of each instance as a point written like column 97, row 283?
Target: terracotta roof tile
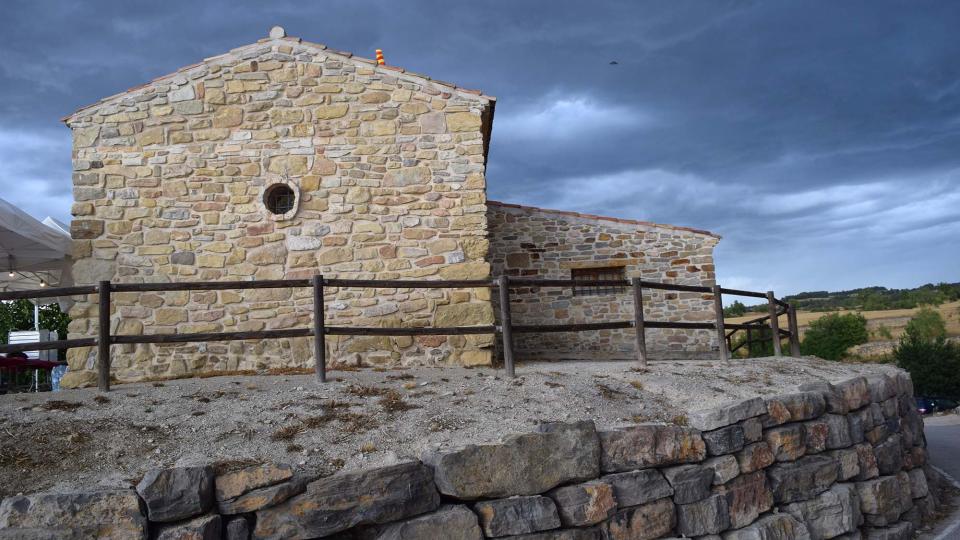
column 602, row 218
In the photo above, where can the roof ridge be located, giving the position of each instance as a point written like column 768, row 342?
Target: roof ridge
column 263, row 41
column 603, row 218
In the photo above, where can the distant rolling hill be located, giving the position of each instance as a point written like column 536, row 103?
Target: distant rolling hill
column 865, row 299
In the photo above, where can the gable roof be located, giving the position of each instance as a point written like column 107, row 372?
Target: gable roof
column 594, row 217
column 239, row 54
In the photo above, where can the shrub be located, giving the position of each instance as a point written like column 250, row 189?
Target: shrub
column 830, row 336
column 736, row 309
column 884, row 332
column 934, row 365
column 927, row 325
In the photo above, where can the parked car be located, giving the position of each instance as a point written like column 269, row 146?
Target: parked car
column 930, row 405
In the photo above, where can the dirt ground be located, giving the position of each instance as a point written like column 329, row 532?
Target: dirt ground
column 81, row 438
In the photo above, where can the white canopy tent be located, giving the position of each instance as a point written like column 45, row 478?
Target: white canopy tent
column 33, row 254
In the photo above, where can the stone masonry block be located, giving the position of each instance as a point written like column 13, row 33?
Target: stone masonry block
column 638, row 487
column 517, row 515
column 690, row 483
column 709, row 516
column 584, row 504
column 711, row 419
column 649, row 445
column 802, row 479
column 525, row 464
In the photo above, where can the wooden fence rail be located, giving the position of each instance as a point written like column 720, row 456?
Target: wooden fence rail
column 320, row 330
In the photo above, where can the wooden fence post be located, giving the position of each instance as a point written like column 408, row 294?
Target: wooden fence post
column 319, row 347
column 506, row 324
column 794, row 328
column 774, row 323
column 721, row 329
column 103, row 338
column 638, row 323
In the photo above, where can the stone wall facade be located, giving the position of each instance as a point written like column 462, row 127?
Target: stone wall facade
column 843, row 461
column 388, row 172
column 548, row 244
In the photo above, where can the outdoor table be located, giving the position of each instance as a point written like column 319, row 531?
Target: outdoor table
column 11, row 366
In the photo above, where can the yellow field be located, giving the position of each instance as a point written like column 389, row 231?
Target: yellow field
column 894, row 320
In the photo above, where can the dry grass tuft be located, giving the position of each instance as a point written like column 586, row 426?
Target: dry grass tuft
column 392, row 402
column 77, row 437
column 342, row 367
column 287, row 433
column 60, row 405
column 365, row 391
column 368, row 448
column 680, row 420
column 209, row 374
column 334, row 404
column 609, row 393
column 230, row 465
column 356, row 422
column 12, row 456
column 314, row 422
column 637, row 384
column 289, row 371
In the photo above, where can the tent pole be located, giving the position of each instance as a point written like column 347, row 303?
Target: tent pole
column 36, row 315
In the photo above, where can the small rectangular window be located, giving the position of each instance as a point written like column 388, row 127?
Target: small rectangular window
column 612, row 273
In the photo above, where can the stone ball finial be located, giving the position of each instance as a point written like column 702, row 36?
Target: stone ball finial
column 277, row 32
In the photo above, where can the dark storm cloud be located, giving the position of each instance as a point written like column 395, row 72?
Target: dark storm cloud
column 821, row 139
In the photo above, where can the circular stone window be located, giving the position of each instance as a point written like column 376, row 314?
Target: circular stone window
column 280, row 199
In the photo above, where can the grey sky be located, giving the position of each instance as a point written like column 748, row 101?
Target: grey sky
column 820, row 138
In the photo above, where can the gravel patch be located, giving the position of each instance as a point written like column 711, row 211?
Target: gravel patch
column 368, row 417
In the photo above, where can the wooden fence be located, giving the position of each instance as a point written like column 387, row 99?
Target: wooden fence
column 320, row 329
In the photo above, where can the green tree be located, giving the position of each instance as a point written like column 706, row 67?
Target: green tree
column 933, row 363
column 830, row 336
column 927, row 324
column 18, row 315
column 736, row 309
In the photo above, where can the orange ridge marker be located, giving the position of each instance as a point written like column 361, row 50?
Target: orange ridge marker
column 380, row 60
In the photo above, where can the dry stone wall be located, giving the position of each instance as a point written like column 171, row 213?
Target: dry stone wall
column 388, row 173
column 843, row 461
column 532, row 242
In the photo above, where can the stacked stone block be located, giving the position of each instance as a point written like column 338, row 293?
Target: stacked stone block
column 548, row 244
column 388, row 170
column 719, row 478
